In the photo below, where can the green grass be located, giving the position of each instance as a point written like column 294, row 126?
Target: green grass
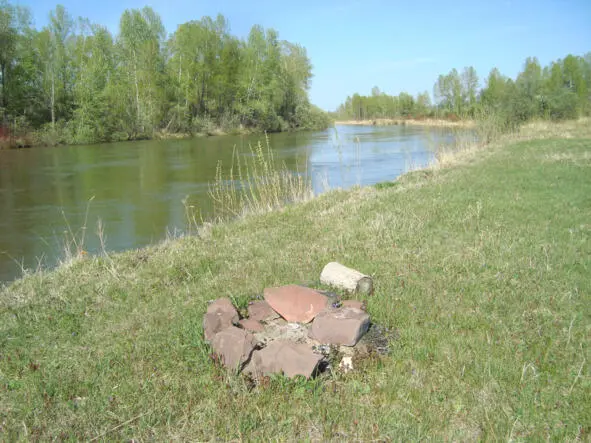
column 483, row 269
column 266, row 184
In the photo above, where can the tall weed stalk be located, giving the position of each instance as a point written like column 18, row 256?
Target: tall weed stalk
column 74, row 242
column 257, row 183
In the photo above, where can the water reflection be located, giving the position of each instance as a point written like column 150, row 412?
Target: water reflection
column 137, row 188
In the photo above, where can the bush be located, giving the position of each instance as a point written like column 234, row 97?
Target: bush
column 53, row 135
column 311, row 117
column 203, row 124
column 563, row 105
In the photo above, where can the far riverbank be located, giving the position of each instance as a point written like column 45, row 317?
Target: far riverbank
column 411, row 122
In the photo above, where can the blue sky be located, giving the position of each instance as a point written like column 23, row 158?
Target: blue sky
column 397, row 45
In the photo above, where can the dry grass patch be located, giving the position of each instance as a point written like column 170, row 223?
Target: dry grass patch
column 481, row 272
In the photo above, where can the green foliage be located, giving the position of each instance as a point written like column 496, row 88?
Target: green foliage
column 563, row 105
column 308, row 116
column 382, row 105
column 92, row 86
column 559, row 91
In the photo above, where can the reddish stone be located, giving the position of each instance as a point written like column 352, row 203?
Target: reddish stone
column 220, row 315
column 343, row 326
column 261, row 311
column 251, row 325
column 234, row 346
column 283, row 356
column 296, row 303
column 353, row 304
column 221, row 304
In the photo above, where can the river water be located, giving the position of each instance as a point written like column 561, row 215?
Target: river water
column 136, row 189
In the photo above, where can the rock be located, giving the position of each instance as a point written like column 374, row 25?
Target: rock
column 283, row 356
column 343, row 326
column 261, row 311
column 279, row 329
column 221, row 304
column 339, row 276
column 346, row 364
column 296, row 303
column 251, row 325
column 220, row 315
column 353, row 304
column 234, row 346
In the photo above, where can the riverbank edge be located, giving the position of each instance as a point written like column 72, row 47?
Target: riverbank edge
column 436, row 123
column 103, row 337
column 35, row 140
column 445, row 157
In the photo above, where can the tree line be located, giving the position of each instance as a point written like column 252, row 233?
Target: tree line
column 561, row 90
column 75, row 82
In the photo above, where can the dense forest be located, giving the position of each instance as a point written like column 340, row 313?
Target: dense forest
column 558, row 91
column 75, row 82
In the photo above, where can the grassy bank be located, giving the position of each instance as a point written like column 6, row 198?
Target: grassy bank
column 429, row 122
column 48, row 138
column 481, row 267
column 65, row 134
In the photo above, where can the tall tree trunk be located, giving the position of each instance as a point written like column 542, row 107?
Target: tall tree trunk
column 137, row 91
column 3, row 97
column 52, row 100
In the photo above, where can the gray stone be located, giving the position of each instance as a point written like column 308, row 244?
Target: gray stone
column 261, row 311
column 281, row 330
column 234, row 346
column 285, row 357
column 220, row 315
column 296, row 303
column 343, row 326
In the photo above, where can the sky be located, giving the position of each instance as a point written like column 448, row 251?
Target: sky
column 397, row 45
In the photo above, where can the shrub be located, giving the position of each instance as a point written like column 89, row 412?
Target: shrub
column 563, row 105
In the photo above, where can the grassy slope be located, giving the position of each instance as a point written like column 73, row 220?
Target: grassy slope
column 483, row 270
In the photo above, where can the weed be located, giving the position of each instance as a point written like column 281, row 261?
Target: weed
column 257, row 183
column 481, row 267
column 74, row 242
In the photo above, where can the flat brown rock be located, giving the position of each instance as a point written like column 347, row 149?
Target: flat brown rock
column 261, row 311
column 283, row 356
column 220, row 315
column 234, row 347
column 353, row 304
column 296, row 303
column 343, row 326
column 251, row 325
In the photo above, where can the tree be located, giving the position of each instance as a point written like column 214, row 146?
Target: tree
column 8, row 37
column 423, row 104
column 469, row 88
column 296, row 72
column 17, row 71
column 448, row 92
column 494, row 93
column 528, row 101
column 141, row 35
column 407, row 103
column 573, row 75
column 95, row 61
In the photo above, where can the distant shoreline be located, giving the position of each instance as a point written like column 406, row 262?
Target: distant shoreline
column 411, row 122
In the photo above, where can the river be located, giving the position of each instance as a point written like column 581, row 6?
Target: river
column 136, row 189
